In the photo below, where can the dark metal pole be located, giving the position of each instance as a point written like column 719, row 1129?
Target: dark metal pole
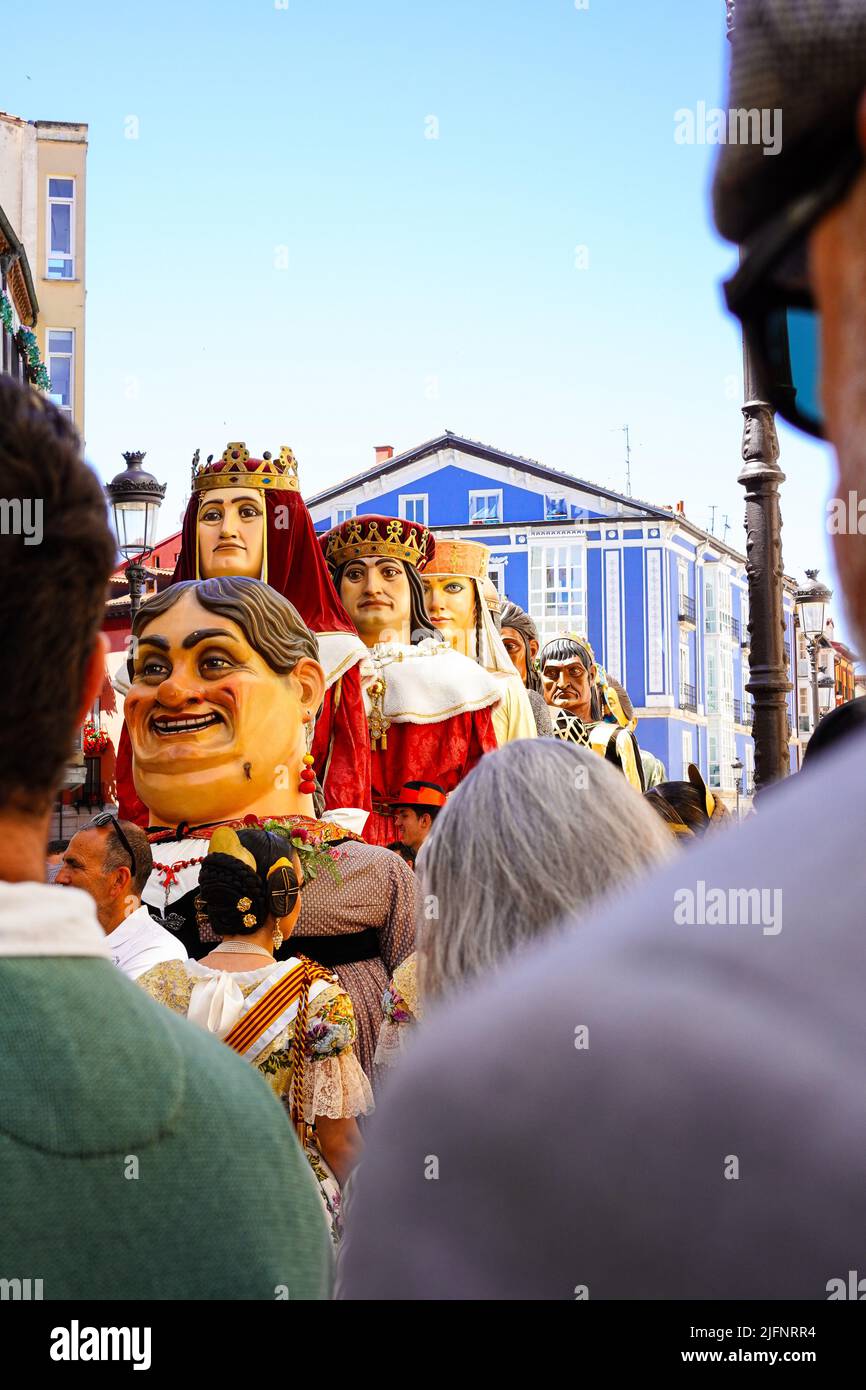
column 813, row 662
column 135, row 575
column 761, row 475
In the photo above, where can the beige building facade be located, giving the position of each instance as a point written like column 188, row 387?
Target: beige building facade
column 43, row 187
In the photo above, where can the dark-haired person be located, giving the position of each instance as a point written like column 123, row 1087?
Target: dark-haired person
column 708, row 1142
column 521, row 641
column 430, row 709
column 111, row 860
column 54, row 858
column 689, row 808
column 405, row 853
column 93, row 1072
column 836, row 727
column 416, row 810
column 290, row 1018
column 581, row 698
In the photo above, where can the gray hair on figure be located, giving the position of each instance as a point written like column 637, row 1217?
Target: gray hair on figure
column 535, row 835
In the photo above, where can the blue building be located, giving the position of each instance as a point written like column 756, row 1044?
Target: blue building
column 663, row 603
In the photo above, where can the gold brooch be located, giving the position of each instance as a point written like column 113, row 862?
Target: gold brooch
column 244, row 904
column 250, row 920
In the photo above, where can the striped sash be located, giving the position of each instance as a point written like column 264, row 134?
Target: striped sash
column 270, row 1007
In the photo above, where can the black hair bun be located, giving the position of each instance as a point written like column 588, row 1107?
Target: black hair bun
column 233, row 896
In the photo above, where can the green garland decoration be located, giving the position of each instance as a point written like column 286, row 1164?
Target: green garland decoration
column 29, row 346
column 6, row 312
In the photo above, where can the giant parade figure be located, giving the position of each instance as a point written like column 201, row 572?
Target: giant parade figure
column 430, row 709
column 246, row 517
column 454, row 580
column 585, row 706
column 225, row 682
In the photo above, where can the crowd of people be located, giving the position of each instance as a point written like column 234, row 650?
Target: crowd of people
column 411, row 866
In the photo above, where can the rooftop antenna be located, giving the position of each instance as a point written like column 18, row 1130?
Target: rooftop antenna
column 713, row 519
column 624, row 430
column 727, row 528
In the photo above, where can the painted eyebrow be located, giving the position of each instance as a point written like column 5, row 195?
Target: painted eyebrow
column 204, row 634
column 220, row 501
column 155, row 641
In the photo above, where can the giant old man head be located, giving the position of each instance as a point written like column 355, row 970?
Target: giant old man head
column 225, row 689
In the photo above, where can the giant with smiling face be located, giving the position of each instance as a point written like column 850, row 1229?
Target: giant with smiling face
column 225, row 687
column 247, row 519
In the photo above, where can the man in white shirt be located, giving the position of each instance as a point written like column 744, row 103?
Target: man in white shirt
column 111, row 860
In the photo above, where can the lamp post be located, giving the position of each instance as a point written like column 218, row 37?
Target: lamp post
column 761, row 475
column 737, row 769
column 811, row 603
column 826, row 687
column 135, row 498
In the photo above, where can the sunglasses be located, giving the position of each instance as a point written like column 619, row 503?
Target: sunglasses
column 772, row 297
column 106, row 818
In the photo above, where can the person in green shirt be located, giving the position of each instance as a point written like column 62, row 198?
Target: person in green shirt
column 128, row 1137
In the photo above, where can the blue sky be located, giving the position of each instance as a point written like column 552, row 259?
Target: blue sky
column 284, row 256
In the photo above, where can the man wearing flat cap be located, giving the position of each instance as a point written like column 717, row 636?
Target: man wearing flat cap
column 709, row 1142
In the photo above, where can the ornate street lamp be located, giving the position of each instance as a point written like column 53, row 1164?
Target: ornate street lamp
column 135, row 498
column 811, row 603
column 737, row 769
column 760, row 476
column 826, row 688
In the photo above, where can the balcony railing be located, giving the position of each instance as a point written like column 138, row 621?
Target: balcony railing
column 686, row 609
column 688, row 698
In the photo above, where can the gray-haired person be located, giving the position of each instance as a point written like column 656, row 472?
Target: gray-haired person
column 704, row 1135
column 498, row 891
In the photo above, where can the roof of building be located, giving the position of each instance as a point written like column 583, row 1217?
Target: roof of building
column 450, row 440
column 19, row 279
column 844, row 651
column 491, row 454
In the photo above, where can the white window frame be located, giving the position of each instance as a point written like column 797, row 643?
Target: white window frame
column 545, row 555
column 475, row 496
column 682, row 579
column 688, row 751
column 496, row 571
column 342, row 514
column 685, row 666
column 50, row 200
column 564, row 515
column 70, row 408
column 406, row 497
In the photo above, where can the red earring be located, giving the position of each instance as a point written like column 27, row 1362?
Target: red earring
column 308, row 777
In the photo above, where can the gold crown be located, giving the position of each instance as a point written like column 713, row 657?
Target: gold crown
column 468, row 559
column 237, row 469
column 383, row 536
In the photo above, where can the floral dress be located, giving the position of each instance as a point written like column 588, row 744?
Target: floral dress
column 335, row 1086
column 400, row 1008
